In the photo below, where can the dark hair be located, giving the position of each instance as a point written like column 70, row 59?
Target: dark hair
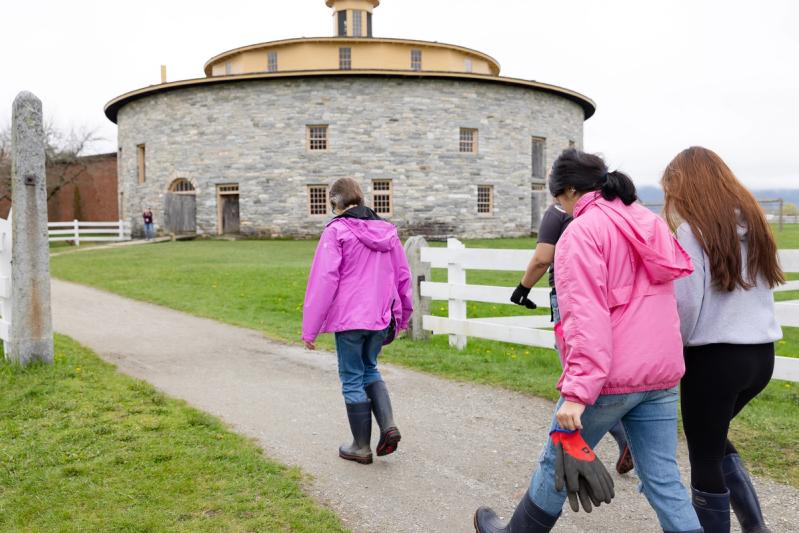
column 345, row 192
column 588, row 172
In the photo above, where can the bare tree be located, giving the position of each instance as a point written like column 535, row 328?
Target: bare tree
column 62, row 157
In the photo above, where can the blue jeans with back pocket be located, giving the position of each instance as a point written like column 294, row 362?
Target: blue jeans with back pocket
column 357, row 352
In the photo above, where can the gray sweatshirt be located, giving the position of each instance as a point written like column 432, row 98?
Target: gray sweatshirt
column 710, row 316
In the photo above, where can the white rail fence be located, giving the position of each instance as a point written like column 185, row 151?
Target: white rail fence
column 530, row 329
column 77, row 231
column 5, row 278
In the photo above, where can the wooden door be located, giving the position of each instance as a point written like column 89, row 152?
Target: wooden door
column 230, row 213
column 180, row 213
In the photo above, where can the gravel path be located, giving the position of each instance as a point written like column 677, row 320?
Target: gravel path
column 463, row 445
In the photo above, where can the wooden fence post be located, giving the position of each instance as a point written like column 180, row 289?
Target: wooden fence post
column 456, row 308
column 76, row 229
column 121, row 230
column 419, row 272
column 31, row 327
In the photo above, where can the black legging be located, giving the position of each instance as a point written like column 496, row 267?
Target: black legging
column 720, row 379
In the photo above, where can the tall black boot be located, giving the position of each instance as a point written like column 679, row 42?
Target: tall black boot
column 743, row 496
column 527, row 518
column 713, row 510
column 381, row 405
column 360, row 417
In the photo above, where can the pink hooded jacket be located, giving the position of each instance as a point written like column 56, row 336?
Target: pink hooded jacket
column 619, row 331
column 359, row 276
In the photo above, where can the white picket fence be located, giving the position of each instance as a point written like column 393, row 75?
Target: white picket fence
column 77, row 231
column 5, row 278
column 530, row 329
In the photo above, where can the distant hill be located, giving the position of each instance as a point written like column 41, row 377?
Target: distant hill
column 654, row 195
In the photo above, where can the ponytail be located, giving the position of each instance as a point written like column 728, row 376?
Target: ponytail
column 619, row 185
column 588, row 172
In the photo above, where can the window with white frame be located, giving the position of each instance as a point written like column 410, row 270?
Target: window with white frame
column 345, row 58
column 468, row 140
column 317, row 137
column 272, row 62
column 416, row 59
column 357, row 24
column 381, row 197
column 317, row 199
column 485, row 199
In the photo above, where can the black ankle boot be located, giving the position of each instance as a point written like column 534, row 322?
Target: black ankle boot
column 527, row 518
column 360, row 417
column 743, row 496
column 713, row 510
column 381, row 405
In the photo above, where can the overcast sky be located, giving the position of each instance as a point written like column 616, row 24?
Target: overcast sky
column 664, row 74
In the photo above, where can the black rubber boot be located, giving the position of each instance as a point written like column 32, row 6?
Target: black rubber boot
column 743, row 497
column 713, row 510
column 625, row 461
column 381, row 405
column 360, row 417
column 527, row 518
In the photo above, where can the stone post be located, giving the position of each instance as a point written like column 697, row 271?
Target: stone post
column 419, row 272
column 31, row 326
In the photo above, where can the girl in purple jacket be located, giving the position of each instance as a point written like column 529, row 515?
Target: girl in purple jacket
column 359, row 288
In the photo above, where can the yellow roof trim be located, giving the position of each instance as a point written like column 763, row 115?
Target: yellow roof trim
column 112, row 107
column 271, row 44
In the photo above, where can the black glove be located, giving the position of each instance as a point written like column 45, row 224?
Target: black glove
column 519, row 297
column 579, row 470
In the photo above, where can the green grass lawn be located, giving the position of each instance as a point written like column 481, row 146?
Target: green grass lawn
column 260, row 285
column 85, row 448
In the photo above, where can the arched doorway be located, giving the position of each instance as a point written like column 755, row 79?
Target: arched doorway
column 180, row 207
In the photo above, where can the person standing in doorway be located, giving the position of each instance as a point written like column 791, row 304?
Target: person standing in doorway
column 149, row 226
column 359, row 288
column 727, row 323
column 553, row 224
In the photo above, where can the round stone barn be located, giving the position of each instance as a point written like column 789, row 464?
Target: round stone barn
column 440, row 142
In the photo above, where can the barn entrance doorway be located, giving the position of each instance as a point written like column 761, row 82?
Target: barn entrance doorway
column 227, row 208
column 180, row 207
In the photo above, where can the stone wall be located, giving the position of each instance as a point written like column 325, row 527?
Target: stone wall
column 406, row 130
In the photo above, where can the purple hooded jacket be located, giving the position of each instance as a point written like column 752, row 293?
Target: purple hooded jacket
column 358, row 278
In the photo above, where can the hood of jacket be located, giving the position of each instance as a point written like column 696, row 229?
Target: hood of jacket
column 372, row 231
column 661, row 255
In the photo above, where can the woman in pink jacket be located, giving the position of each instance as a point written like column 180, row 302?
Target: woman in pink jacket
column 619, row 342
column 359, row 288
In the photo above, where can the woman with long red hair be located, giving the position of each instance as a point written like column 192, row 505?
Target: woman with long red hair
column 727, row 323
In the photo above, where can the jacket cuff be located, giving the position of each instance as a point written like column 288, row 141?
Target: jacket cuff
column 572, row 398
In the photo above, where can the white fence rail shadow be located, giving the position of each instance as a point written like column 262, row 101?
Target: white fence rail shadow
column 530, row 329
column 77, row 231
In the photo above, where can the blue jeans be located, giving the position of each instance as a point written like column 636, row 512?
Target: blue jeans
column 357, row 352
column 553, row 305
column 650, row 420
column 149, row 231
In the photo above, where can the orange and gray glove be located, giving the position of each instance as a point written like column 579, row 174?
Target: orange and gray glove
column 579, row 470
